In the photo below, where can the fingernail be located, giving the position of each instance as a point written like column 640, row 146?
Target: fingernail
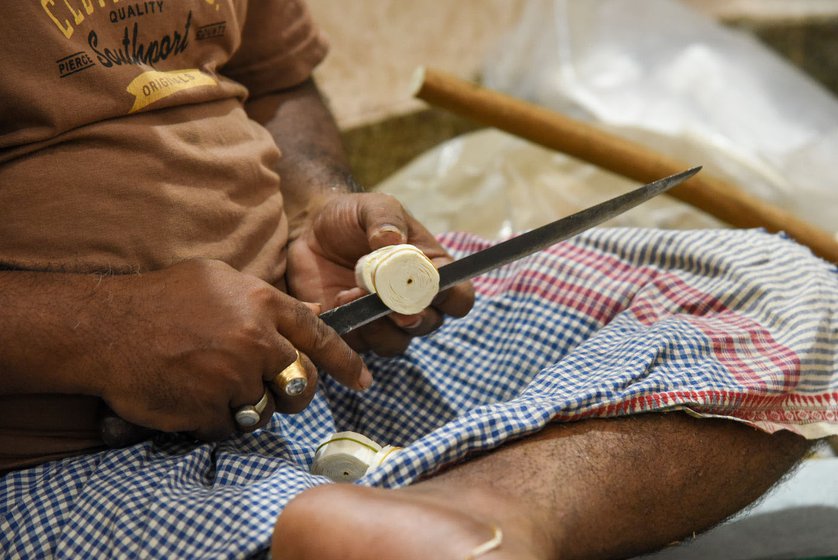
column 365, row 380
column 413, row 324
column 389, row 229
column 406, row 321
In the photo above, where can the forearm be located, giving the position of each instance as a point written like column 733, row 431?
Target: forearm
column 44, row 325
column 313, row 160
column 173, row 349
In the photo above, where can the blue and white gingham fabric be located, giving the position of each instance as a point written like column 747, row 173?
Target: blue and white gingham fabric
column 739, row 324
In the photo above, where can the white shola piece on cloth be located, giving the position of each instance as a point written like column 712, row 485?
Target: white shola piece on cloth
column 347, row 456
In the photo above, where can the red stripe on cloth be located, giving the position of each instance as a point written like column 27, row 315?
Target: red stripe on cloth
column 650, row 306
column 742, row 345
column 582, row 299
column 752, row 407
column 595, row 284
column 600, row 285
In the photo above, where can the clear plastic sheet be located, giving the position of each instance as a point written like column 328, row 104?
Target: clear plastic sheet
column 649, row 70
column 494, row 184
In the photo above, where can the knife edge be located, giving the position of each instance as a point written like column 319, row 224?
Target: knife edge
column 368, row 308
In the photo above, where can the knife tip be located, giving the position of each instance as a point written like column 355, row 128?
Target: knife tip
column 692, row 171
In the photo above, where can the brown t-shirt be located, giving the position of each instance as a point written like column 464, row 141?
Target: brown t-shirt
column 125, row 146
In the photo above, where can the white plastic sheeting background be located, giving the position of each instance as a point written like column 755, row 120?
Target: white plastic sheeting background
column 649, row 70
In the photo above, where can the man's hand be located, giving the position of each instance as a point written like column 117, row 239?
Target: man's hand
column 194, row 342
column 331, row 226
column 340, row 229
column 177, row 350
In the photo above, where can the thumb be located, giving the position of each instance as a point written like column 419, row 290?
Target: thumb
column 385, row 221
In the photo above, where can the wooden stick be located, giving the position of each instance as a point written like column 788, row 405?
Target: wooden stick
column 585, row 142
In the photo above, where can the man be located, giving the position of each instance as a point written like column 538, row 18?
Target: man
column 162, row 262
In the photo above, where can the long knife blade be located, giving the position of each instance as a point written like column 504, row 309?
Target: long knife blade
column 368, row 308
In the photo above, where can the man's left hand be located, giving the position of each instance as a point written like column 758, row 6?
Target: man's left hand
column 338, row 230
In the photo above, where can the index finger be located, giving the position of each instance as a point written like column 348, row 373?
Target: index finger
column 311, row 336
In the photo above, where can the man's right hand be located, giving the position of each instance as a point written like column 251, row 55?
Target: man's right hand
column 180, row 349
column 198, row 340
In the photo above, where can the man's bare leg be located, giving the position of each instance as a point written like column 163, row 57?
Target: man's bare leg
column 591, row 489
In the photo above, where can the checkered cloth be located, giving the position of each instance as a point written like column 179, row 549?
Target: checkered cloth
column 738, row 324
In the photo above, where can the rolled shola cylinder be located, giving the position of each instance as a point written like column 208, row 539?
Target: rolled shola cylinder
column 402, row 276
column 347, row 456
